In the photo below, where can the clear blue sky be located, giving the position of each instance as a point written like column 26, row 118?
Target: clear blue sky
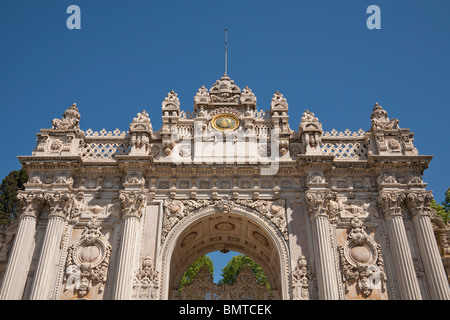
column 318, row 53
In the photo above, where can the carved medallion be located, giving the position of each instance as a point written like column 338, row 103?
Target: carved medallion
column 88, row 261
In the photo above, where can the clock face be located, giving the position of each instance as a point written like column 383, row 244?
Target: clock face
column 225, row 122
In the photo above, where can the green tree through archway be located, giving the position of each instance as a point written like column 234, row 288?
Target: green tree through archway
column 234, row 266
column 229, row 272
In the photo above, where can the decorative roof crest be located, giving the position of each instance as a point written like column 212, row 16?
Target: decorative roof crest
column 380, row 119
column 225, row 90
column 70, row 119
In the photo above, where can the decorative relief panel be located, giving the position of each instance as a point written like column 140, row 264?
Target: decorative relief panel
column 361, row 261
column 301, row 279
column 145, row 283
column 88, row 261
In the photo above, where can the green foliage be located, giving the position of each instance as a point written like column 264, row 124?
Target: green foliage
column 9, row 204
column 234, row 266
column 442, row 209
column 193, row 269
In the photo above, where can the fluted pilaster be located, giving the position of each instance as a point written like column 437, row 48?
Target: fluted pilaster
column 390, row 203
column 327, row 279
column 45, row 276
column 19, row 261
column 418, row 205
column 133, row 206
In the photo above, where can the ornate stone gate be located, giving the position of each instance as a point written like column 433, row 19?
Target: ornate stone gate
column 326, row 214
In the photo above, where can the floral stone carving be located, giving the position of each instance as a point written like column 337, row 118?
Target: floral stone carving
column 145, row 285
column 301, row 277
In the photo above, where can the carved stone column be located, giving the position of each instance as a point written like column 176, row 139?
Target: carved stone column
column 133, row 206
column 390, row 202
column 48, row 259
column 327, row 279
column 418, row 205
column 20, row 258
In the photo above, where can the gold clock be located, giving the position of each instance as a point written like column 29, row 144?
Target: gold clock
column 225, row 122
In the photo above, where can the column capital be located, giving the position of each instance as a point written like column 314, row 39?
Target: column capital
column 322, row 203
column 60, row 204
column 390, row 203
column 31, row 203
column 418, row 203
column 133, row 204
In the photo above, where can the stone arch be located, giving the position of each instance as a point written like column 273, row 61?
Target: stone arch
column 206, row 229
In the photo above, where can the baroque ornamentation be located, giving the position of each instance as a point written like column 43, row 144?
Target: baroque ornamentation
column 175, row 210
column 390, row 203
column 361, row 261
column 70, row 119
column 31, row 203
column 145, row 283
column 274, row 211
column 301, row 278
column 88, row 261
column 419, row 203
column 225, row 90
column 133, row 204
column 323, row 203
column 308, row 116
column 225, row 205
column 380, row 119
column 60, row 205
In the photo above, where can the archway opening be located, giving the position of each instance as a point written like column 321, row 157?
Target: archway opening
column 225, row 232
column 224, row 276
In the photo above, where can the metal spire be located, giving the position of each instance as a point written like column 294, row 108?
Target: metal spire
column 226, row 50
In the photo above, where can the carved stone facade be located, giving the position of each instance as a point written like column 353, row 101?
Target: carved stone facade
column 327, row 215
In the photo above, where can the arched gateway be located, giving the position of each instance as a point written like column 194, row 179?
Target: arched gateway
column 327, row 215
column 240, row 229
